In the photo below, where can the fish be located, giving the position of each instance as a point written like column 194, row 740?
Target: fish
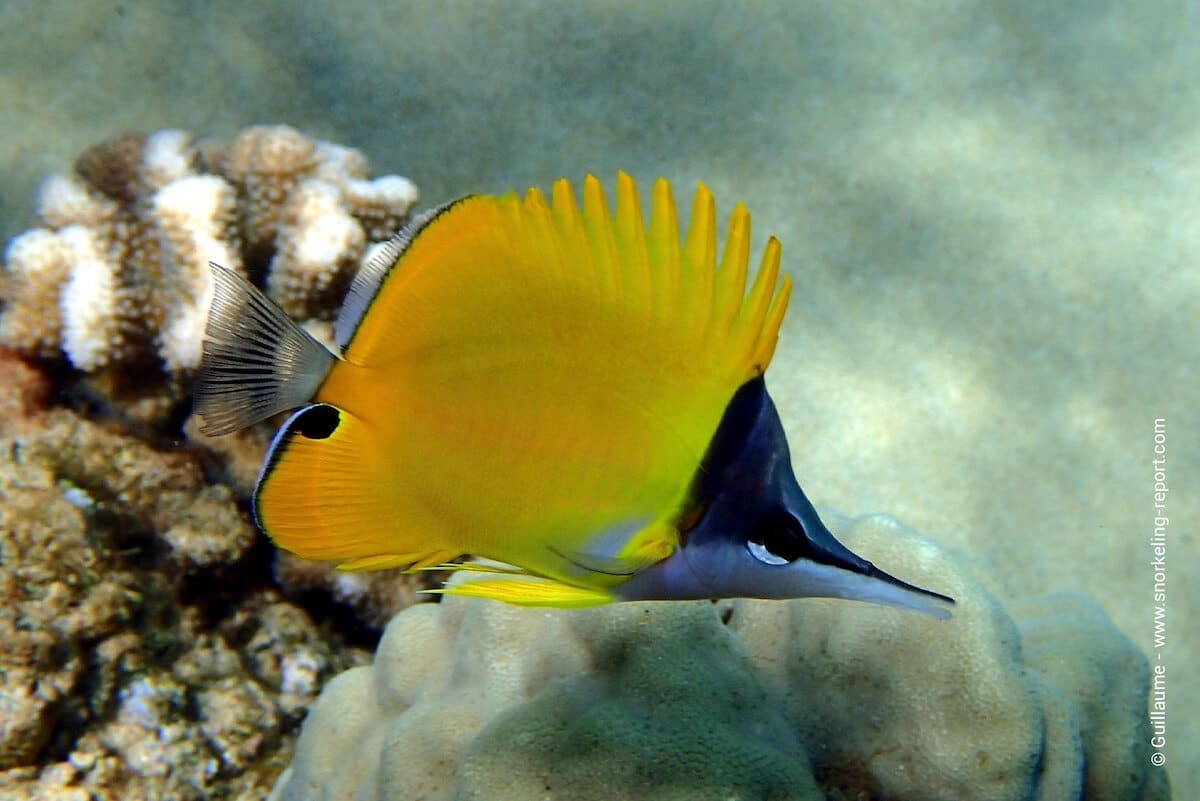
column 572, row 395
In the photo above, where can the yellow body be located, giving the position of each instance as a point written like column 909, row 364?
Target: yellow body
column 535, row 384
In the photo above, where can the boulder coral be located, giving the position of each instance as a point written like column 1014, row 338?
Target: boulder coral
column 807, row 699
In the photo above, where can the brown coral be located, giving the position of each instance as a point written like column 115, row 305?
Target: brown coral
column 56, row 595
column 26, row 391
column 266, row 162
column 119, row 680
column 113, row 167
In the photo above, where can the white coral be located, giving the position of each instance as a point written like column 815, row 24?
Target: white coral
column 65, row 200
column 381, row 204
column 89, row 302
column 394, row 193
column 38, row 263
column 338, row 164
column 319, row 243
column 320, row 230
column 195, row 216
column 166, row 156
column 119, row 263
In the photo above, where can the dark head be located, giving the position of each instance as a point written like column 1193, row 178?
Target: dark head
column 750, row 532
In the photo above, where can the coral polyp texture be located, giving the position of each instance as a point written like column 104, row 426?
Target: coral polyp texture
column 805, row 700
column 132, row 664
column 115, row 276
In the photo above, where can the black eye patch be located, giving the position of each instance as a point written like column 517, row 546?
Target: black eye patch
column 318, row 421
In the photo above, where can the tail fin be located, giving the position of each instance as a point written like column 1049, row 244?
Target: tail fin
column 256, row 361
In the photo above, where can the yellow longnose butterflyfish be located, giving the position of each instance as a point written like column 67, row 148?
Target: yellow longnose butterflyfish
column 571, row 393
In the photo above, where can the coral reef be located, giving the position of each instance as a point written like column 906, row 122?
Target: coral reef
column 115, row 280
column 115, row 277
column 144, row 652
column 807, row 699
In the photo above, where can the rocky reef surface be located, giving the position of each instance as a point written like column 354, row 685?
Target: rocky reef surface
column 144, row 651
column 151, row 645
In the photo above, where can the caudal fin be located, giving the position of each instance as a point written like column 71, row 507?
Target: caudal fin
column 256, row 361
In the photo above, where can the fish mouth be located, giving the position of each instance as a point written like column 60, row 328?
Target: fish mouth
column 903, row 595
column 725, row 568
column 799, row 541
column 870, row 585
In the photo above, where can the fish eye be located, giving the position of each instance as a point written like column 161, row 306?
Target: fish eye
column 759, row 552
column 777, row 540
column 318, row 421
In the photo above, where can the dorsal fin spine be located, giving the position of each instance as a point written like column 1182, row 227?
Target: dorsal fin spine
column 578, row 256
column 768, row 336
column 731, row 276
column 700, row 257
column 663, row 246
column 631, row 240
column 540, row 227
column 758, row 301
column 601, row 238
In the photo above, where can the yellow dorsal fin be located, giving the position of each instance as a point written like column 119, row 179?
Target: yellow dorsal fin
column 625, row 264
column 663, row 248
column 699, row 260
column 634, row 259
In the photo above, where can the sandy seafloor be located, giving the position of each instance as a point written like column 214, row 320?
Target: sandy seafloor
column 991, row 212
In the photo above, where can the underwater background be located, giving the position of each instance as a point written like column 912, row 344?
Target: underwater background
column 990, row 212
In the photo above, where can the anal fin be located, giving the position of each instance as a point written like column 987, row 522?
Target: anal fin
column 529, row 591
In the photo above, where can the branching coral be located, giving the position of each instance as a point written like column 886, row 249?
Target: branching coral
column 115, row 277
